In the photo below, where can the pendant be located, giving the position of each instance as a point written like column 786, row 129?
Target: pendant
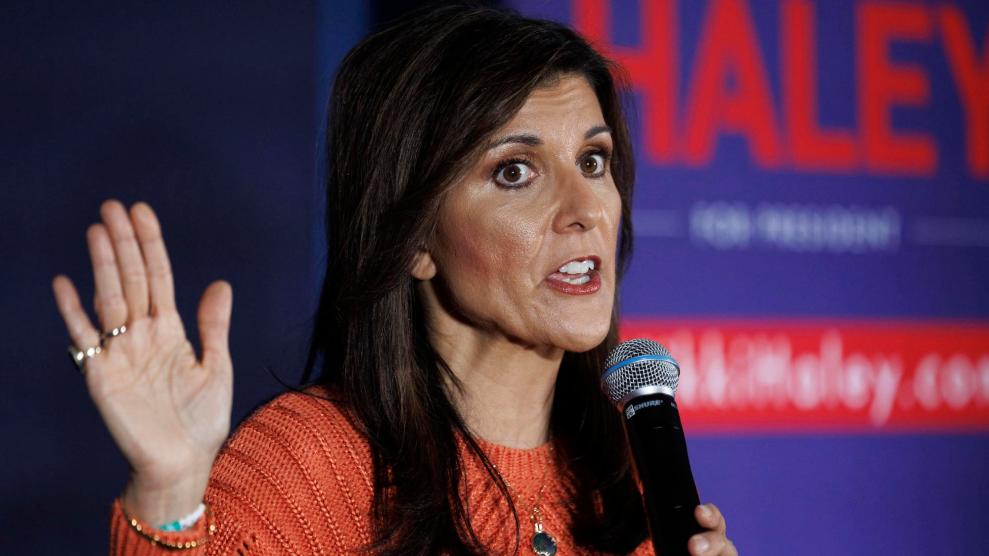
column 543, row 543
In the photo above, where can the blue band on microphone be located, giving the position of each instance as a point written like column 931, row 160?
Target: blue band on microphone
column 629, row 361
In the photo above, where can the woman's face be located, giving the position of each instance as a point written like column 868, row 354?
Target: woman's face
column 525, row 244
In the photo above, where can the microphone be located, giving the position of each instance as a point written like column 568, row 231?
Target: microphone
column 641, row 379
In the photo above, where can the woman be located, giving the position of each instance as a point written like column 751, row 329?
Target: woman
column 479, row 187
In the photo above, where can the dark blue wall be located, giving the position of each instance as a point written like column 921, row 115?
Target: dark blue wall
column 210, row 113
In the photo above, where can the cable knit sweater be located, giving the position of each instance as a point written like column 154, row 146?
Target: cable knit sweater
column 296, row 478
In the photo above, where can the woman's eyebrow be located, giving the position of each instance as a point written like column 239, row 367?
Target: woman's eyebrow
column 523, row 138
column 596, row 130
column 533, row 141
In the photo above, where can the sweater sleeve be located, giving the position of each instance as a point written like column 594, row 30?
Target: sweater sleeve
column 125, row 537
column 294, row 479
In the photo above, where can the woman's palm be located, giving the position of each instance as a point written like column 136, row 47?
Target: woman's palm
column 162, row 406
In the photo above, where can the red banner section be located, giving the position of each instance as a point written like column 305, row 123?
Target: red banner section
column 826, row 375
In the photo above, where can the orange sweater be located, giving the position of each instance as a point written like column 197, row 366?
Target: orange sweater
column 296, row 478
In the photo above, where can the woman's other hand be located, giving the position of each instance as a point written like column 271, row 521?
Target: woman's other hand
column 167, row 411
column 713, row 542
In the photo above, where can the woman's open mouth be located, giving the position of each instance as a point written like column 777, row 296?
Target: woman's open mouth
column 577, row 276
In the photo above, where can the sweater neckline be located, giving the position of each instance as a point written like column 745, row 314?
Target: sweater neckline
column 520, row 466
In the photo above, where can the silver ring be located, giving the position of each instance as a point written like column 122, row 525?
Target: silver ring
column 79, row 356
column 112, row 333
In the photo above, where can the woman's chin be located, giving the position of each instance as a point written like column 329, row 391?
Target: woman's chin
column 583, row 340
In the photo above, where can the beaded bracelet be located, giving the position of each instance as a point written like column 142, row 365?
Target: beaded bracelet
column 155, row 538
column 184, row 523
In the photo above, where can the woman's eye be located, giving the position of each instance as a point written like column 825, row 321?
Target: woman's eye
column 593, row 164
column 514, row 173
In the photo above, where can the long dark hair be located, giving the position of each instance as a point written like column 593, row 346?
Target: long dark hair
column 411, row 107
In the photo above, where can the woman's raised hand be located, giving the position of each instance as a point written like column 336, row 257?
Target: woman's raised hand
column 167, row 411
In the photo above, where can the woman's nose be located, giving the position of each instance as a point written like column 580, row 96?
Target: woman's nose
column 580, row 207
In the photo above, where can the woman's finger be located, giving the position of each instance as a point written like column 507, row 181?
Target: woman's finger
column 709, row 517
column 711, row 543
column 214, row 325
column 156, row 261
column 133, row 277
column 111, row 308
column 81, row 330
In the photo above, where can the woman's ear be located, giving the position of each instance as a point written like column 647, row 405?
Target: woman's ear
column 423, row 266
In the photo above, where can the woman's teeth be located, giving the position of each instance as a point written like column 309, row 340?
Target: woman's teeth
column 577, row 267
column 578, row 272
column 579, row 281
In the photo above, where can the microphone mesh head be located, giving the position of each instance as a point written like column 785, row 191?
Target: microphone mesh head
column 655, row 368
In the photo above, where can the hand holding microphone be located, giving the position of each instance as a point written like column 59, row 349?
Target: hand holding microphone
column 641, row 379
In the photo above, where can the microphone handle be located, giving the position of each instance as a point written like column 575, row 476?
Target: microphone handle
column 668, row 490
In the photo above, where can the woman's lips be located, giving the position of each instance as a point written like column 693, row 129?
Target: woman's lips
column 558, row 281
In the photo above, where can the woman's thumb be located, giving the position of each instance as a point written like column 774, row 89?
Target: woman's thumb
column 213, row 317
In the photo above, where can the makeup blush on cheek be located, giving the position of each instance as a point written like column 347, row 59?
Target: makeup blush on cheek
column 483, row 258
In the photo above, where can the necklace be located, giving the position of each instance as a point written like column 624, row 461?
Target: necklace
column 543, row 544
